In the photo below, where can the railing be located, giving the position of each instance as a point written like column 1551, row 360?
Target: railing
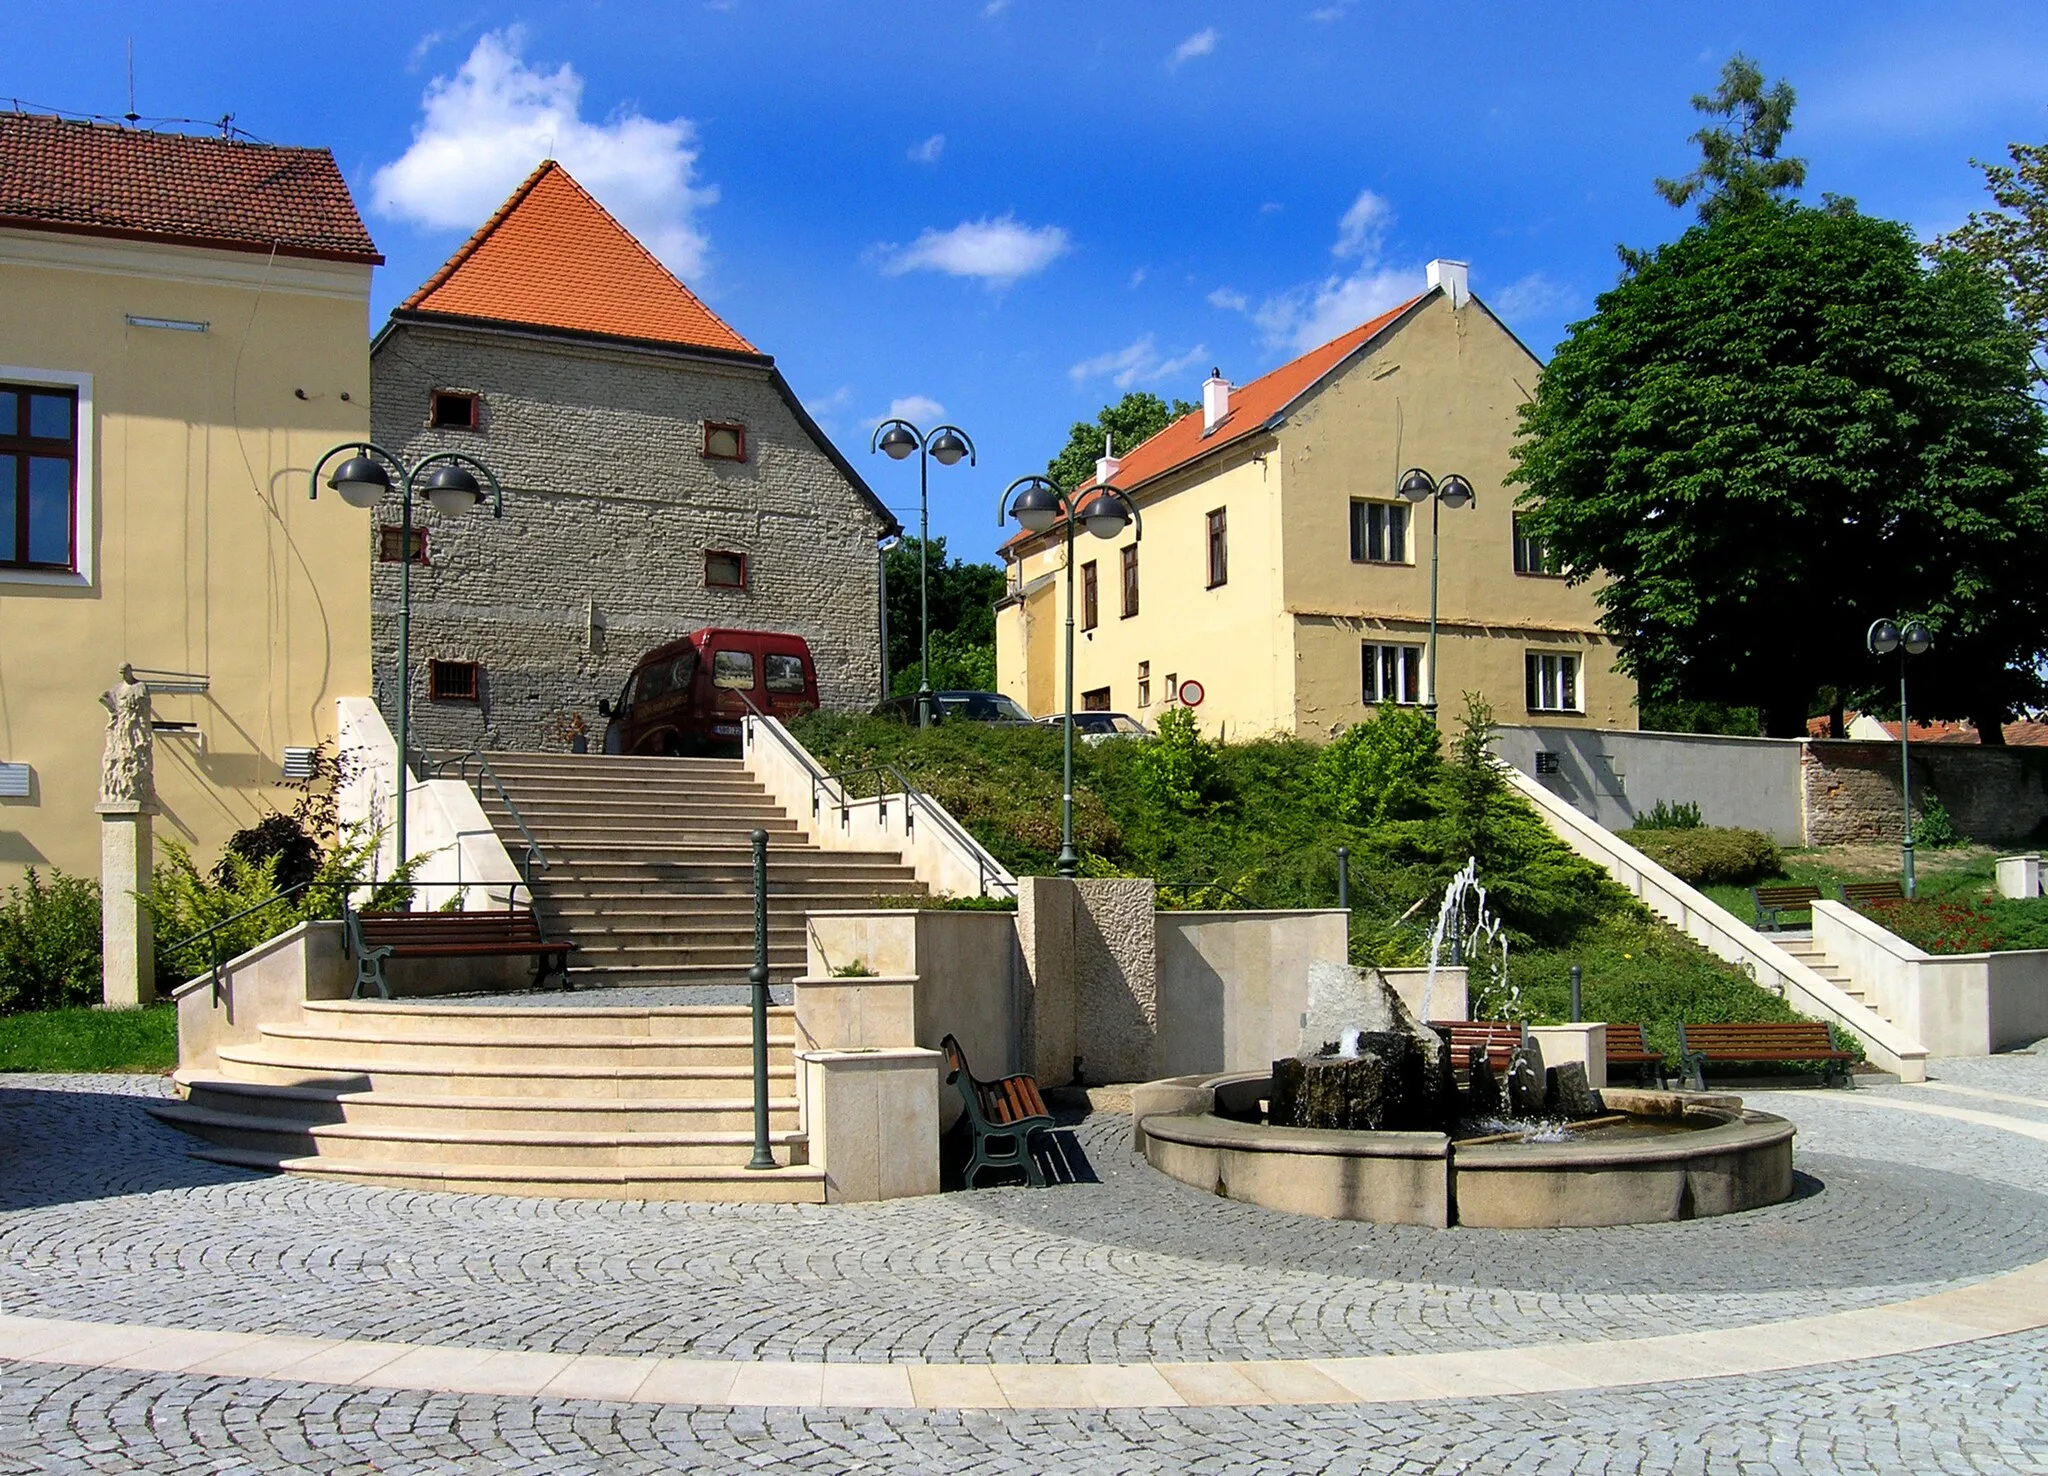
column 535, row 856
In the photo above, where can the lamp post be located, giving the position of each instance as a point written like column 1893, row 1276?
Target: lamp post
column 449, row 486
column 1039, row 507
column 1911, row 639
column 896, row 439
column 1416, row 485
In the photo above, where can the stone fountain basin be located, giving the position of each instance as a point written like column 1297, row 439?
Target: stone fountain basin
column 1206, row 1132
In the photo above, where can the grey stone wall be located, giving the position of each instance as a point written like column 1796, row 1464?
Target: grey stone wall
column 1998, row 795
column 609, row 509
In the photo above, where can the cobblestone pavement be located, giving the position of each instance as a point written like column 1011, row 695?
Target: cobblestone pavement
column 103, row 1217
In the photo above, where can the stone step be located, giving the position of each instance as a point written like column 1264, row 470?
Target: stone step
column 532, row 1044
column 316, row 1105
column 783, row 834
column 406, row 1020
column 791, row 1184
column 617, row 975
column 600, row 798
column 598, row 884
column 718, row 852
column 337, row 1071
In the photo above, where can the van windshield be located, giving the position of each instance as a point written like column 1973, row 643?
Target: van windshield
column 732, row 669
column 785, row 673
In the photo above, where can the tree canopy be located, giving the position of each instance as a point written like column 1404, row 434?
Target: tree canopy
column 1784, row 425
column 2012, row 241
column 1137, row 417
column 963, row 597
column 1740, row 167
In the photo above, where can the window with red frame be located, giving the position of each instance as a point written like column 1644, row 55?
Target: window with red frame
column 452, row 410
column 38, row 477
column 452, row 681
column 723, row 570
column 724, row 441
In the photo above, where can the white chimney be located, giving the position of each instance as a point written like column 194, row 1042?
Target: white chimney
column 1455, row 277
column 1108, row 464
column 1215, row 400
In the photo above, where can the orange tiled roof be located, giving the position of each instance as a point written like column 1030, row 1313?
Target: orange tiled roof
column 58, row 174
column 552, row 257
column 2020, row 733
column 1252, row 407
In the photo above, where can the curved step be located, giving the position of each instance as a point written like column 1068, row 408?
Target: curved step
column 517, row 1044
column 404, row 1019
column 309, row 1106
column 540, row 1079
column 790, row 1184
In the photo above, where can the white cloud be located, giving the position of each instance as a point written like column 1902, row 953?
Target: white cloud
column 1327, row 13
column 928, row 152
column 921, row 411
column 417, row 57
column 1138, row 277
column 1229, row 300
column 995, row 8
column 998, row 251
column 485, row 128
column 1363, row 227
column 1271, row 207
column 1138, row 363
column 1202, row 43
column 1532, row 296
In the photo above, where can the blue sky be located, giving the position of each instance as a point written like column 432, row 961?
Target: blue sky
column 1014, row 210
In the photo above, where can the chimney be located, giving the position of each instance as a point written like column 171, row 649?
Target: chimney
column 1108, row 464
column 1454, row 277
column 1215, row 400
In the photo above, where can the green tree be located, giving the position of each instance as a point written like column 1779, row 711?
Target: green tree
column 1381, row 768
column 1739, row 167
column 2012, row 241
column 963, row 599
column 1780, row 427
column 1134, row 419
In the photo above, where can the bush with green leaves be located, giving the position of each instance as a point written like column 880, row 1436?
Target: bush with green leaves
column 1382, row 768
column 1710, row 855
column 1685, row 815
column 1178, row 766
column 49, row 943
column 1935, row 830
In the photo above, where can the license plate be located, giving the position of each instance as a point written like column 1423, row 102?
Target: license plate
column 726, row 730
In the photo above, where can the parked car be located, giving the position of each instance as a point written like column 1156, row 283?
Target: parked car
column 1093, row 727
column 950, row 707
column 690, row 696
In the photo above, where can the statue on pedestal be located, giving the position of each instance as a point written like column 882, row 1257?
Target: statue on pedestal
column 125, row 767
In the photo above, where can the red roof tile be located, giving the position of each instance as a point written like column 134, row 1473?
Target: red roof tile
column 100, row 179
column 552, row 257
column 1252, row 407
column 2020, row 733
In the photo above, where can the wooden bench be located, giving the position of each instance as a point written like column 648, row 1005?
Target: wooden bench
column 375, row 936
column 1628, row 1049
column 1790, row 1040
column 1003, row 1113
column 1859, row 894
column 1498, row 1039
column 1773, row 901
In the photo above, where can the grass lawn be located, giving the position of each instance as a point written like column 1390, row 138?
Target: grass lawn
column 90, row 1040
column 1962, row 872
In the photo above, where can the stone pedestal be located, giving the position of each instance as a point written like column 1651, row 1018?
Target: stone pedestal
column 127, row 940
column 2019, row 876
column 1584, row 1042
column 872, row 1117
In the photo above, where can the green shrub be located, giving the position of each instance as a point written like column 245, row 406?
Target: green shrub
column 1934, row 829
column 1684, row 815
column 1710, row 855
column 1381, row 768
column 1177, row 768
column 49, row 943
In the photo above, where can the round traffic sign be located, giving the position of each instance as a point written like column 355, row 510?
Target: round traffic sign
column 1191, row 693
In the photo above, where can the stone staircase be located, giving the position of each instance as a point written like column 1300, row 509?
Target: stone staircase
column 650, row 866
column 629, row 1103
column 1802, row 947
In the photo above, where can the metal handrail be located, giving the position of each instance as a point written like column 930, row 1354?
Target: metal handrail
column 1212, row 884
column 535, row 856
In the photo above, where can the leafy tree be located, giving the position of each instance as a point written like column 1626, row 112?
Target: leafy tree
column 1782, row 426
column 1178, row 767
column 1739, row 168
column 963, row 598
column 1134, row 419
column 1381, row 768
column 2012, row 241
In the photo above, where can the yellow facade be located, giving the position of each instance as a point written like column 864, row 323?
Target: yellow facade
column 198, row 549
column 1278, row 647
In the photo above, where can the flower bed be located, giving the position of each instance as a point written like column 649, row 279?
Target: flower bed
column 1940, row 925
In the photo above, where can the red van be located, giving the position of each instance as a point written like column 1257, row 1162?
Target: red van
column 689, row 696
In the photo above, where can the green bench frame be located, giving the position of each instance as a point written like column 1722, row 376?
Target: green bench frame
column 1783, row 1040
column 1004, row 1114
column 1772, row 902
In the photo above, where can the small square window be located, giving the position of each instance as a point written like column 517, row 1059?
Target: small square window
column 1144, row 684
column 1553, row 682
column 733, row 670
column 725, row 570
column 1095, row 701
column 724, row 442
column 452, row 681
column 452, row 410
column 388, row 537
column 785, row 673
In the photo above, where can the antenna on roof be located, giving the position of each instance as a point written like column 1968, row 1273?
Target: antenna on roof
column 131, row 115
column 227, row 125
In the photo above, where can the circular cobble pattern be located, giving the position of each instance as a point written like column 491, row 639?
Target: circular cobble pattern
column 106, row 1218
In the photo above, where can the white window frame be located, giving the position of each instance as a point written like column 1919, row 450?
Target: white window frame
column 1360, row 548
column 1375, row 695
column 86, row 484
column 1543, row 677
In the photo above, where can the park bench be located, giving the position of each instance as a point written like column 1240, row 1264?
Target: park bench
column 1628, row 1049
column 1003, row 1114
column 1498, row 1040
column 1862, row 894
column 374, row 937
column 1789, row 1040
column 1771, row 902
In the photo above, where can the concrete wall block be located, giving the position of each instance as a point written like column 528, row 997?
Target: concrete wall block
column 1116, row 974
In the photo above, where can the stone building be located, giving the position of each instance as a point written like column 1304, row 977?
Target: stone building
column 659, row 476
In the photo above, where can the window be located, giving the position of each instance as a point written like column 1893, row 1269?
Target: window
column 1379, row 532
column 785, row 673
column 388, row 537
column 725, row 570
column 1089, row 603
column 733, row 670
column 666, row 678
column 724, row 442
column 38, row 477
column 1130, row 558
column 1390, row 674
column 1553, row 682
column 452, row 681
column 1219, row 549
column 1172, row 688
column 1144, row 684
column 1095, row 701
column 1532, row 554
column 452, row 410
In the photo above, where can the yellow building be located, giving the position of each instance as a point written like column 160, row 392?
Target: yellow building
column 184, row 328
column 1281, row 571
